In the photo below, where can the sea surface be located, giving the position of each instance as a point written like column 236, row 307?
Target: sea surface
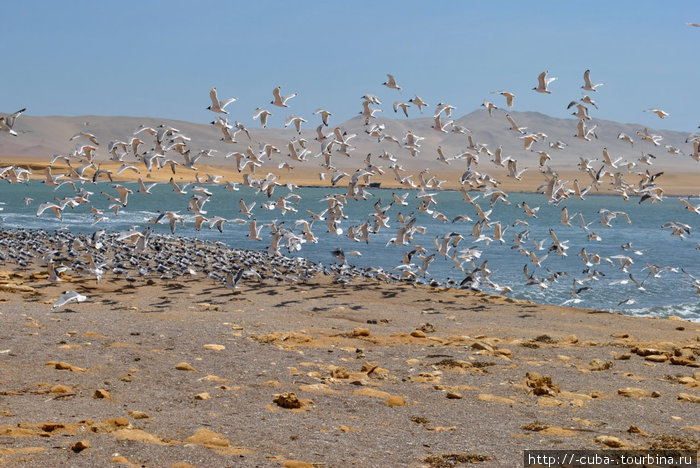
column 671, row 293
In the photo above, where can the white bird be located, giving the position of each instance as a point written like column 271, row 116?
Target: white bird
column 67, row 297
column 587, row 85
column 510, row 97
column 662, row 114
column 418, row 102
column 261, row 114
column 216, row 105
column 7, row 122
column 254, row 230
column 324, row 115
column 280, row 101
column 391, row 83
column 543, row 82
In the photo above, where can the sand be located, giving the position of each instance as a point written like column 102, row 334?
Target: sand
column 188, row 373
column 674, row 183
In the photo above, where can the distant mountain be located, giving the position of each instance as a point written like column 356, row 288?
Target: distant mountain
column 41, row 137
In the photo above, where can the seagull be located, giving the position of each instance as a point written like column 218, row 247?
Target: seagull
column 254, row 230
column 543, row 82
column 659, row 112
column 391, row 83
column 587, row 85
column 403, row 105
column 7, row 122
column 279, row 100
column 418, row 102
column 489, row 106
column 68, row 296
column 508, row 95
column 262, row 114
column 216, row 105
column 324, row 115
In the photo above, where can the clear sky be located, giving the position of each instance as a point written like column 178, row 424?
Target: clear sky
column 160, row 58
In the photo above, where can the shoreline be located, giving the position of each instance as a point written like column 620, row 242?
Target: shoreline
column 185, row 370
column 677, row 184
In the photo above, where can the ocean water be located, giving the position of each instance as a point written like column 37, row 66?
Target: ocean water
column 671, row 293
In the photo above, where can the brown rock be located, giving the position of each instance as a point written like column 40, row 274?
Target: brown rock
column 101, row 393
column 60, row 389
column 202, row 396
column 480, row 345
column 371, row 392
column 207, row 438
column 600, row 365
column 214, row 347
column 360, row 332
column 633, row 392
column 138, row 415
column 635, row 430
column 80, row 446
column 297, row 464
column 689, row 397
column 656, row 358
column 454, row 396
column 288, row 400
column 622, row 356
column 183, row 366
column 495, row 399
column 395, row 400
column 610, row 441
column 418, row 334
column 340, row 373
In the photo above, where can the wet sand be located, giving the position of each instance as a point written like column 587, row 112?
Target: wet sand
column 188, row 373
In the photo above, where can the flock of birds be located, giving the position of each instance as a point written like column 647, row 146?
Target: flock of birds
column 166, row 148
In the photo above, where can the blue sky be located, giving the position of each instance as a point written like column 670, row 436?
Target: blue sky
column 160, row 58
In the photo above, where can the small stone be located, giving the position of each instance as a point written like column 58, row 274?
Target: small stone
column 635, row 430
column 633, row 392
column 297, row 464
column 360, row 332
column 101, row 393
column 395, row 400
column 183, row 366
column 622, row 356
column 60, row 389
column 418, row 334
column 656, row 358
column 138, row 415
column 202, row 396
column 689, row 397
column 80, row 446
column 214, row 347
column 480, row 345
column 655, row 394
column 454, row 396
column 600, row 365
column 609, row 441
column 340, row 373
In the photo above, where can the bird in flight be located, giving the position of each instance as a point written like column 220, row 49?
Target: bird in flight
column 216, row 105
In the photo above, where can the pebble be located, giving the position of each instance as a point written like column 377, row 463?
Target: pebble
column 101, row 393
column 183, row 366
column 214, row 347
column 80, row 445
column 202, row 396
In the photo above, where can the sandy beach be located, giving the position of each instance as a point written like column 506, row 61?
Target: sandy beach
column 675, row 183
column 186, row 372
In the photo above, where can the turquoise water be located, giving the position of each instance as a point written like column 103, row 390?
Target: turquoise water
column 669, row 294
